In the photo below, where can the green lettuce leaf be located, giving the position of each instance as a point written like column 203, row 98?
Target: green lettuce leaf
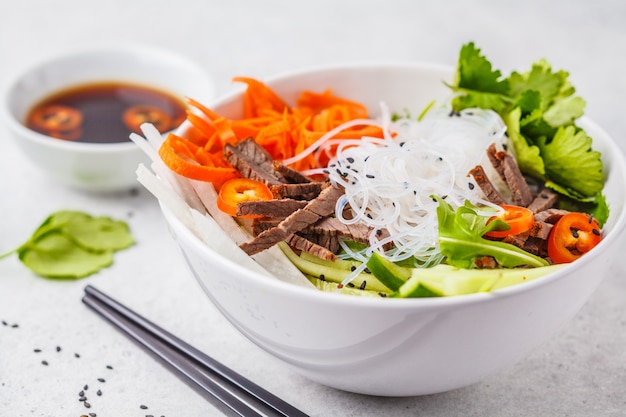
column 461, row 241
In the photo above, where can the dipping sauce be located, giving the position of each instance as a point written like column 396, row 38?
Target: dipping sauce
column 105, row 112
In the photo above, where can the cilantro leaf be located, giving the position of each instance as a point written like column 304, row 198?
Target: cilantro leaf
column 528, row 156
column 480, row 85
column 535, row 105
column 72, row 244
column 461, row 241
column 572, row 167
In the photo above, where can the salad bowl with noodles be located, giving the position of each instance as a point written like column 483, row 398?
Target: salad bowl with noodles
column 437, row 295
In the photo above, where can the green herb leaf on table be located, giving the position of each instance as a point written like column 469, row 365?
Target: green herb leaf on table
column 73, row 245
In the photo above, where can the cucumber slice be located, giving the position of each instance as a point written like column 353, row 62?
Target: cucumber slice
column 334, row 287
column 327, row 270
column 445, row 280
column 393, row 276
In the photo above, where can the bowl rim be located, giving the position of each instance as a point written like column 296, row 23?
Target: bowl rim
column 135, row 49
column 256, row 279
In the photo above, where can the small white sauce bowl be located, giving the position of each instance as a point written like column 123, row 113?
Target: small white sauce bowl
column 97, row 167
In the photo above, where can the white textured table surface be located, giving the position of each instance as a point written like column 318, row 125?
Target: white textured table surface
column 581, row 371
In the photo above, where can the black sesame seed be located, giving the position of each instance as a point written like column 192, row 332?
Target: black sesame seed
column 81, row 394
column 543, row 195
column 363, row 284
column 45, row 363
column 86, row 387
column 382, row 294
column 37, row 350
column 369, row 176
column 87, row 405
column 574, row 233
column 350, row 159
column 505, row 146
column 595, row 232
column 367, row 271
column 92, row 414
column 402, row 144
column 322, row 277
column 143, row 407
column 58, row 348
column 76, row 355
column 81, row 399
column 470, row 185
column 101, row 380
column 351, row 285
column 379, row 232
column 4, row 323
column 590, row 218
column 352, row 268
column 15, row 326
column 99, row 393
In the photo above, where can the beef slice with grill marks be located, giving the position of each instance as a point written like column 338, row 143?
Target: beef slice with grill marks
column 509, row 171
column 300, row 191
column 323, row 205
column 253, row 161
column 544, row 200
column 304, row 244
column 485, row 184
column 270, row 208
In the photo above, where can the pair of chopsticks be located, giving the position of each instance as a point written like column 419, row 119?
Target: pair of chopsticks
column 235, row 393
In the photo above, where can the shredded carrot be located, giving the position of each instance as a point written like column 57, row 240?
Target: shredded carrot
column 282, row 130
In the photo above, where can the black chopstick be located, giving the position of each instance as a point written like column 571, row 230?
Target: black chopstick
column 207, row 375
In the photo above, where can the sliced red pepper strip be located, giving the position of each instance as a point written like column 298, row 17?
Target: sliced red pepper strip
column 55, row 118
column 520, row 220
column 572, row 236
column 135, row 116
column 238, row 190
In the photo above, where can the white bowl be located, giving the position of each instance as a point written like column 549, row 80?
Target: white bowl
column 400, row 347
column 96, row 166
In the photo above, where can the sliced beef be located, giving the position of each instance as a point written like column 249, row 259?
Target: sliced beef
column 540, row 230
column 301, row 191
column 550, row 215
column 530, row 244
column 509, row 171
column 544, row 200
column 323, row 205
column 487, row 187
column 485, row 262
column 328, row 241
column 291, row 175
column 331, row 226
column 253, row 161
column 270, row 208
column 306, row 245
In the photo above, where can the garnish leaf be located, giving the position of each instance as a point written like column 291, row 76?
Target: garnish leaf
column 461, row 241
column 72, row 245
column 540, row 109
column 572, row 167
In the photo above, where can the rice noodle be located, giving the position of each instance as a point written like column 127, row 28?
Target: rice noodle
column 389, row 182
